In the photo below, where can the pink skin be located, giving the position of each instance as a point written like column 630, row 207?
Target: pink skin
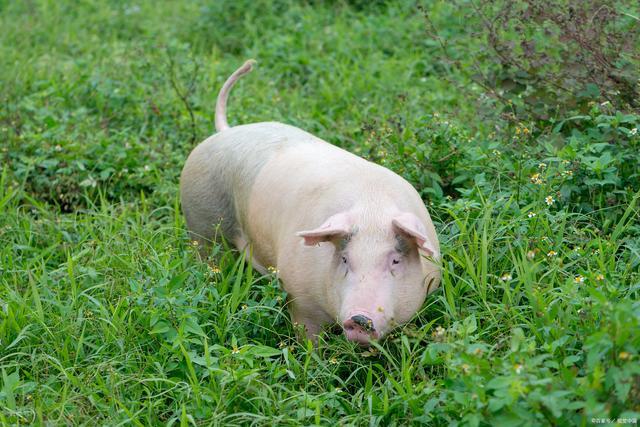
column 375, row 286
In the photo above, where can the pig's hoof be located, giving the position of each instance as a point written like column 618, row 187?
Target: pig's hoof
column 360, row 329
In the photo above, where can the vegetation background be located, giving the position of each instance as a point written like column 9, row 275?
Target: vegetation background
column 516, row 121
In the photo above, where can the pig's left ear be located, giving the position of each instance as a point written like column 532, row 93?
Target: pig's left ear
column 336, row 226
column 409, row 224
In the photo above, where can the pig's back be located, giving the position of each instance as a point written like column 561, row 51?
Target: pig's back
column 220, row 172
column 266, row 176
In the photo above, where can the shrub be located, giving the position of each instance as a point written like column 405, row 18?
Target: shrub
column 543, row 59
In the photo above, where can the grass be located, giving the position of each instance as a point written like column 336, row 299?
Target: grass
column 107, row 316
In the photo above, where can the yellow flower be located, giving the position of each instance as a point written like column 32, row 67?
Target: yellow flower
column 549, row 200
column 624, row 355
column 600, row 277
column 333, row 361
column 552, row 253
column 578, row 279
column 536, row 179
column 235, row 350
column 531, row 254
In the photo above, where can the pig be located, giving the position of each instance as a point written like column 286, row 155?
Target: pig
column 352, row 241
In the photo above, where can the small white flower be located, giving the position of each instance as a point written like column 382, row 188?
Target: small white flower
column 633, row 131
column 531, row 214
column 132, row 10
column 439, row 333
column 549, row 200
column 506, row 277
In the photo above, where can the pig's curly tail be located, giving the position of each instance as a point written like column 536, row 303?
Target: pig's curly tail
column 221, row 103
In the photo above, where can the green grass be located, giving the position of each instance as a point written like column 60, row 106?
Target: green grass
column 108, row 316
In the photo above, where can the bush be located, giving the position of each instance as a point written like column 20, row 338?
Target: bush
column 547, row 59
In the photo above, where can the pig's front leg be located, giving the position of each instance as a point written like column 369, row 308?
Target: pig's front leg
column 308, row 321
column 243, row 245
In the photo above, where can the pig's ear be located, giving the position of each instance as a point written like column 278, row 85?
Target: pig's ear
column 409, row 224
column 336, row 226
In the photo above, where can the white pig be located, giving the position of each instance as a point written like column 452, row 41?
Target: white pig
column 352, row 241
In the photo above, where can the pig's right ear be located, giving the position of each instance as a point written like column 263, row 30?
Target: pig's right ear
column 336, row 226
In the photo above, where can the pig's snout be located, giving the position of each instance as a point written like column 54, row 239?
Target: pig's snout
column 363, row 321
column 360, row 328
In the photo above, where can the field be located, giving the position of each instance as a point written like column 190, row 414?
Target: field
column 109, row 317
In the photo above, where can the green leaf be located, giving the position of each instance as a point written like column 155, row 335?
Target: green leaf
column 160, row 328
